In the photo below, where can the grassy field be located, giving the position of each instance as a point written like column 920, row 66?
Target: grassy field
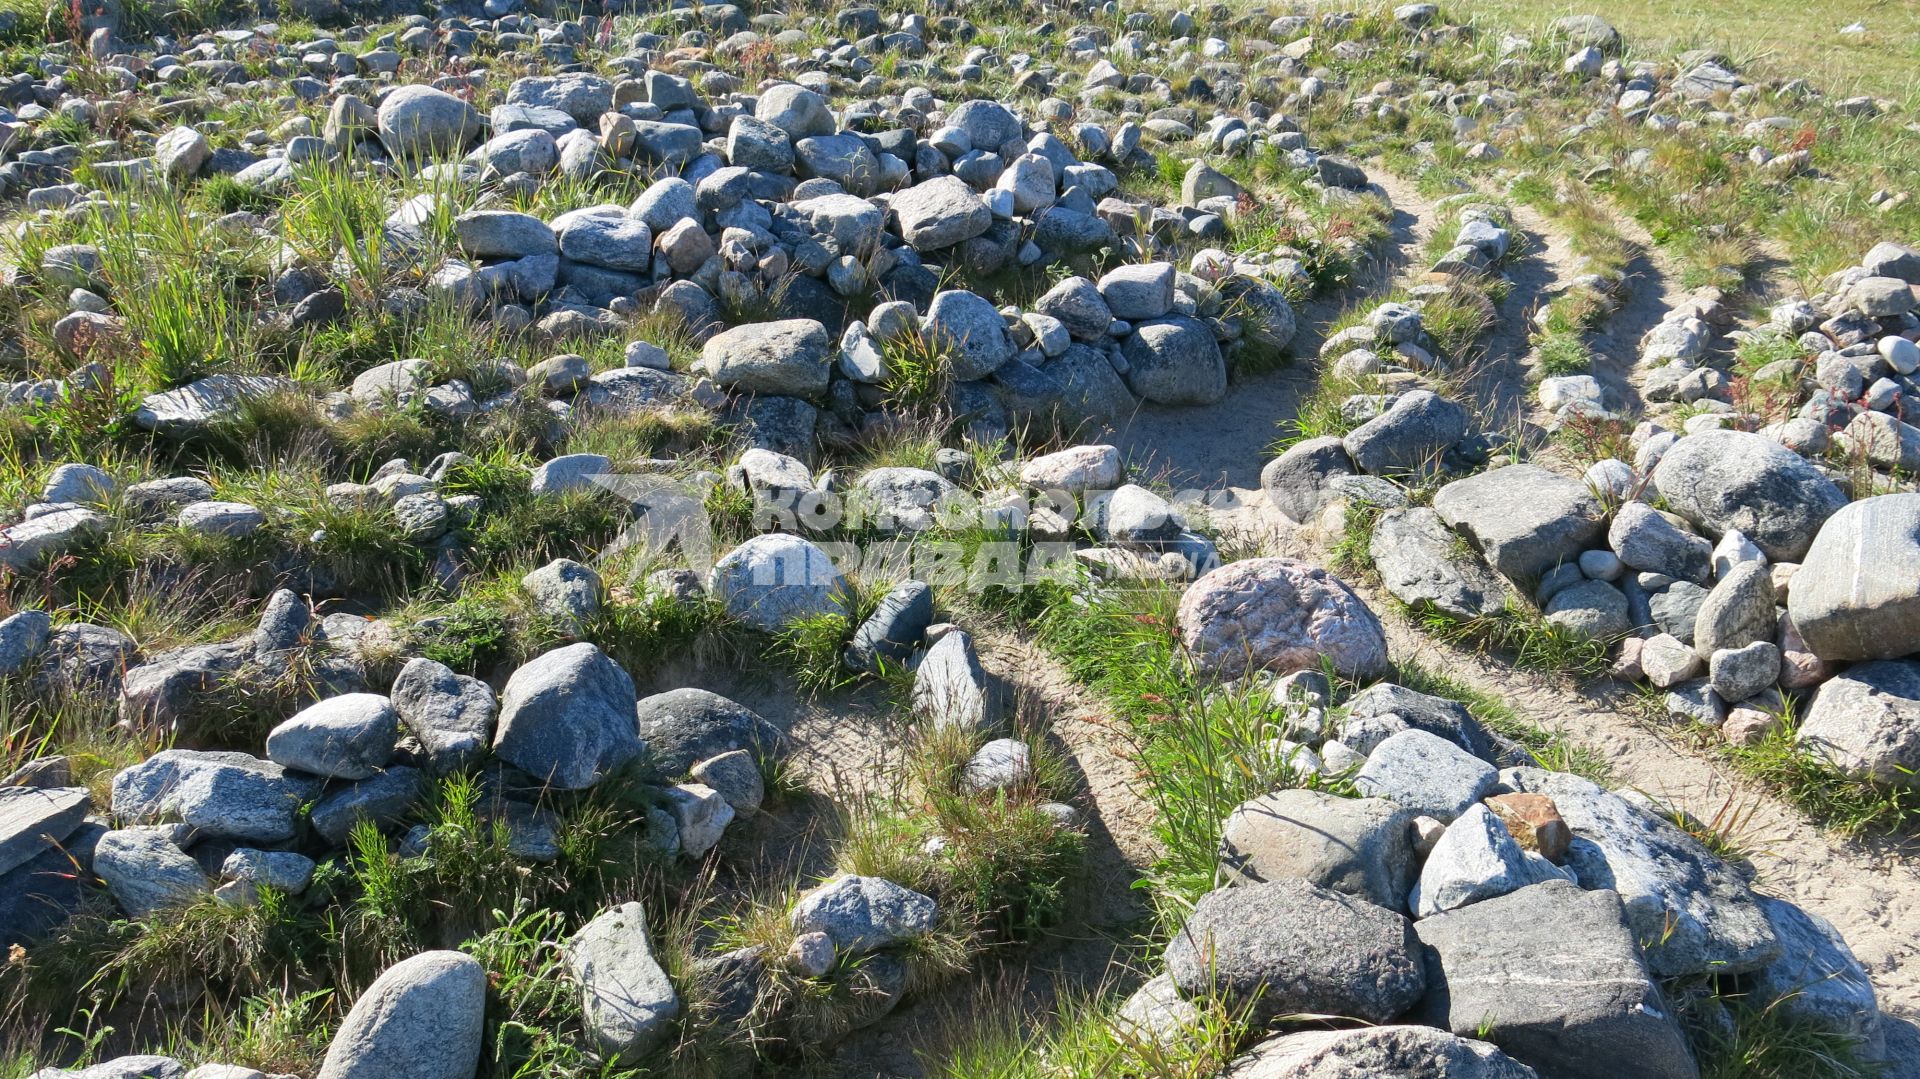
column 1786, row 36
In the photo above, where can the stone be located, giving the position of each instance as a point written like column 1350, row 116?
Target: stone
column 578, row 94
column 1074, row 470
column 1866, row 722
column 1534, row 822
column 567, row 718
column 1379, row 1052
column 204, row 401
column 146, row 870
column 1131, row 514
column 566, row 593
column 1077, row 304
column 84, row 484
column 1475, row 859
column 1384, row 709
column 629, row 1004
column 385, row 799
column 220, row 795
column 420, row 121
column 1299, row 482
column 754, row 143
column 181, row 153
column 1817, row 978
column 1281, row 615
column 285, row 871
column 1739, row 673
column 891, row 633
column 1667, row 661
column 423, row 1018
column 1523, row 519
column 973, row 332
column 27, row 544
column 350, row 736
column 617, row 243
column 1722, row 480
column 1175, row 361
column 864, row 914
column 682, row 726
column 1288, row 947
column 449, row 714
column 1737, row 612
column 1645, row 539
column 735, row 777
column 795, row 110
column 999, row 764
column 1156, row 1014
column 939, row 213
column 1139, row 291
column 700, row 817
column 1410, row 436
column 1693, row 912
column 37, row 819
column 951, row 689
column 989, row 125
column 1425, row 774
column 230, row 520
column 1426, row 566
column 1591, row 610
column 23, row 637
column 771, row 580
column 1565, row 989
column 896, row 500
column 1355, row 846
column 1856, row 595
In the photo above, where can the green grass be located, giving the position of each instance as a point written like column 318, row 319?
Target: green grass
column 1082, row 1035
column 1847, row 804
column 1737, row 1037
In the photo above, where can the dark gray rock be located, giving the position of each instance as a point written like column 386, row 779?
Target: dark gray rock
column 1299, row 484
column 864, row 914
column 1857, row 593
column 1425, row 565
column 1646, row 540
column 1817, row 978
column 1552, row 975
column 567, row 718
column 450, row 715
column 1383, row 709
column 1425, row 774
column 972, row 330
column 1384, row 1052
column 1286, row 947
column 894, row 630
column 682, row 726
column 385, row 799
column 146, row 870
column 1410, row 436
column 37, row 819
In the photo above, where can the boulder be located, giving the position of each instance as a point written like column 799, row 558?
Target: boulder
column 951, row 689
column 1384, row 709
column 1857, row 593
column 1739, row 611
column 567, row 718
column 971, row 331
column 1423, row 564
column 1645, row 539
column 864, row 914
column 1410, row 436
column 1300, row 482
column 146, row 870
column 629, row 1005
column 893, row 631
column 37, row 819
column 773, row 579
column 1425, row 774
column 420, row 121
column 683, row 726
column 1356, row 846
column 939, row 213
column 1817, row 978
column 1286, row 947
column 346, row 737
column 1523, row 518
column 1552, row 975
column 1724, row 480
column 221, row 795
column 791, row 357
column 1175, row 361
column 450, row 715
column 1476, row 859
column 1695, row 913
column 1281, row 615
column 1866, row 722
column 422, row 1019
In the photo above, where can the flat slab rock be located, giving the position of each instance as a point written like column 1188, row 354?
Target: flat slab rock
column 1552, row 975
column 1423, row 563
column 33, row 819
column 1523, row 518
column 1692, row 911
column 1285, row 947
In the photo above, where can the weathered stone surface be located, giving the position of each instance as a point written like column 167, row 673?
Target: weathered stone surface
column 1695, row 912
column 1524, row 519
column 1384, row 709
column 1722, row 480
column 146, row 870
column 1857, row 593
column 951, row 689
column 939, row 213
column 419, row 120
column 221, row 795
column 1817, row 977
column 35, row 819
column 789, row 357
column 1425, row 774
column 1409, row 436
column 1175, row 361
column 451, row 715
column 1382, row 1052
column 1299, row 482
column 629, row 1003
column 1281, row 615
column 1356, row 846
column 972, row 330
column 864, row 914
column 1552, row 975
column 682, row 726
column 1866, row 722
column 346, row 737
column 1646, row 540
column 422, row 1019
column 1476, row 859
column 567, row 718
column 1423, row 564
column 894, row 629
column 1737, row 612
column 1285, row 947
column 773, row 579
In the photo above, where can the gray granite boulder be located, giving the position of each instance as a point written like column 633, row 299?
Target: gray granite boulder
column 424, row 1018
column 1724, row 480
column 1356, row 846
column 567, row 719
column 1524, row 519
